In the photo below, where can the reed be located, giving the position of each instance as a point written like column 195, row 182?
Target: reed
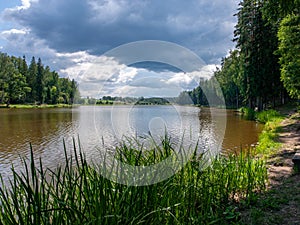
column 77, row 193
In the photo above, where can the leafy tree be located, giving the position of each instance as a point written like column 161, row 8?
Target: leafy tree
column 276, row 10
column 289, row 49
column 229, row 78
column 11, row 80
column 20, row 83
column 31, row 79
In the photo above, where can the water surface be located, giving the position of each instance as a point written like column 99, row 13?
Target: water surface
column 102, row 126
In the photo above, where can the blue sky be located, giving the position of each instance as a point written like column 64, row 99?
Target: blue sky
column 70, row 34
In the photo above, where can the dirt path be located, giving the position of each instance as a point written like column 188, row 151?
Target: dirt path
column 281, row 165
column 281, row 203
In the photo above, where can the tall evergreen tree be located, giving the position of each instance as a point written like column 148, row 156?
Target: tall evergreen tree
column 256, row 40
column 40, row 92
column 31, row 79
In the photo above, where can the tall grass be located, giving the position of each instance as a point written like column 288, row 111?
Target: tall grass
column 76, row 193
column 268, row 139
column 268, row 116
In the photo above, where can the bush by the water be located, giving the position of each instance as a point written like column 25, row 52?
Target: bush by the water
column 248, row 113
column 77, row 193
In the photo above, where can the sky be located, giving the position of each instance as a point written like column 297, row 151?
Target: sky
column 74, row 38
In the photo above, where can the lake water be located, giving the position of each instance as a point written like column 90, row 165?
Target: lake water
column 105, row 126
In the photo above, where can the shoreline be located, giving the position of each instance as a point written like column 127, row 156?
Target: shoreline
column 33, row 106
column 279, row 204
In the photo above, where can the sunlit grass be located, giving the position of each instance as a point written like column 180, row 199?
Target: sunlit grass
column 268, row 139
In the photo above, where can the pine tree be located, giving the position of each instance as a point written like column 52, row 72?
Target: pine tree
column 31, row 79
column 40, row 92
column 256, row 40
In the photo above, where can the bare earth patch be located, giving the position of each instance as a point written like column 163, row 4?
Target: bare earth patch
column 281, row 165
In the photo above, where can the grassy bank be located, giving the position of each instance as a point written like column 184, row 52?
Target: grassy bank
column 32, row 106
column 268, row 139
column 278, row 144
column 77, row 193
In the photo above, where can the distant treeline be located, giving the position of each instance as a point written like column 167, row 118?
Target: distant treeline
column 34, row 83
column 108, row 100
column 264, row 69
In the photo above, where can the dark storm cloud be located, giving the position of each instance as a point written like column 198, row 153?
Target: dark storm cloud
column 97, row 25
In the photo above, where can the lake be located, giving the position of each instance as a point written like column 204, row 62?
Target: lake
column 101, row 127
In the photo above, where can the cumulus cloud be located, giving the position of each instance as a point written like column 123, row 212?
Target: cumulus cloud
column 19, row 42
column 8, row 33
column 99, row 25
column 99, row 76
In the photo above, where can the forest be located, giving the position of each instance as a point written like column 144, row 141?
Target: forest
column 35, row 83
column 263, row 71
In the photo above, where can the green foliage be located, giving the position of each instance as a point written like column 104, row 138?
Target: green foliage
column 77, row 193
column 207, row 93
column 248, row 113
column 276, row 10
column 20, row 83
column 151, row 101
column 268, row 116
column 289, row 49
column 229, row 78
column 251, row 75
column 184, row 99
column 267, row 143
column 12, row 82
column 257, row 41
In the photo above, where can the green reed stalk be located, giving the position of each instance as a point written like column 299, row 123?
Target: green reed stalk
column 77, row 193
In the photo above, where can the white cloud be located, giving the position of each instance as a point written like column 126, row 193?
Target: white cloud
column 7, row 33
column 107, row 11
column 102, row 75
column 206, row 72
column 127, row 74
column 26, row 4
column 98, row 76
column 85, row 67
column 21, row 42
column 146, row 91
column 180, row 78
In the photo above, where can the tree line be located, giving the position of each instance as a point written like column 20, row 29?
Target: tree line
column 35, row 83
column 264, row 68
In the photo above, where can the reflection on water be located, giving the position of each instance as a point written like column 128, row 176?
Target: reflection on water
column 45, row 129
column 240, row 133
